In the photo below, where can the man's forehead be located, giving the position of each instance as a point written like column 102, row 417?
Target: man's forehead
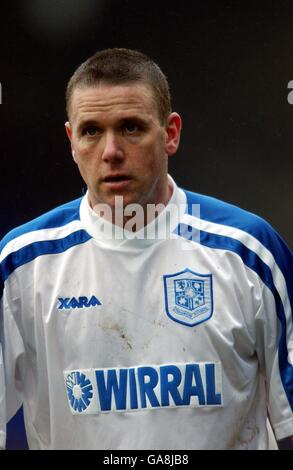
column 105, row 96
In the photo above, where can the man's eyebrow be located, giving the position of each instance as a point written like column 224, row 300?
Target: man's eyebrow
column 125, row 119
column 86, row 123
column 132, row 118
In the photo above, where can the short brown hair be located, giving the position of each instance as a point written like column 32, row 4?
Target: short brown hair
column 120, row 67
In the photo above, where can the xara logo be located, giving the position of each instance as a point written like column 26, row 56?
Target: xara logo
column 80, row 302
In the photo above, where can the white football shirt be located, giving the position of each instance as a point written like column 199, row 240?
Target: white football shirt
column 179, row 343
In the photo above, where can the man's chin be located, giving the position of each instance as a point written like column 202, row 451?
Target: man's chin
column 115, row 202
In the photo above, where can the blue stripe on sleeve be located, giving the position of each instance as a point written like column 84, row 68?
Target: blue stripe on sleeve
column 48, row 247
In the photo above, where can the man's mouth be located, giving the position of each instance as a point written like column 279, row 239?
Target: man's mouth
column 116, row 178
column 117, row 181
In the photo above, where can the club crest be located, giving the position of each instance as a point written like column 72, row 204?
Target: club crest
column 189, row 297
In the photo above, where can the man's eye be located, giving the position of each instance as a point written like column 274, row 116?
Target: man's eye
column 91, row 131
column 131, row 127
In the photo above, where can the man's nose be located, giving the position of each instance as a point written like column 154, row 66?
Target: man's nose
column 112, row 150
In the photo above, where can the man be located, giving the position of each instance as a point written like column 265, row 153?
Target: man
column 117, row 334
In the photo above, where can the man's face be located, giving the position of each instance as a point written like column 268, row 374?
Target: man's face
column 119, row 144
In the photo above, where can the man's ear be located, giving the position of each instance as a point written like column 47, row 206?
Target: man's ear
column 173, row 130
column 69, row 135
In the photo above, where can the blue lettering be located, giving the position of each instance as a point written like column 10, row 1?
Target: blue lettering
column 133, row 390
column 74, row 303
column 105, row 390
column 150, row 386
column 63, row 303
column 213, row 398
column 170, row 386
column 147, row 388
column 83, row 302
column 193, row 372
column 94, row 302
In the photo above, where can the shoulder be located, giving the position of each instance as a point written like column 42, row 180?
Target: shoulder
column 226, row 227
column 222, row 218
column 53, row 232
column 55, row 218
column 220, row 212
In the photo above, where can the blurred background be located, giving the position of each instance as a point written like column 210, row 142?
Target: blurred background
column 228, row 63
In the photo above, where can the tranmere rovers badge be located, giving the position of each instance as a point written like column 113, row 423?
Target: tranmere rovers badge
column 189, row 297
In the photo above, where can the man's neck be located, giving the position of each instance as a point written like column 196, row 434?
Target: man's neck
column 134, row 216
